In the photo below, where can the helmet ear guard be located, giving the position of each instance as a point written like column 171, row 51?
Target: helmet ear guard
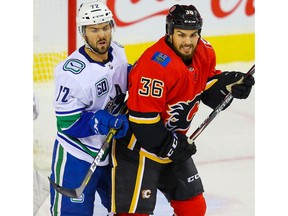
column 183, row 17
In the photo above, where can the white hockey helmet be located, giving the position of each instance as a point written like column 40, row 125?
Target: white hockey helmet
column 91, row 13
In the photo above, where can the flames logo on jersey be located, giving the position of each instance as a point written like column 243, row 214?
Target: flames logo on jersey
column 181, row 114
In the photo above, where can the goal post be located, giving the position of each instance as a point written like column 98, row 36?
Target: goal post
column 72, row 28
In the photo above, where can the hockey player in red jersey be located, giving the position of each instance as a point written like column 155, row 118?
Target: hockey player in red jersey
column 166, row 86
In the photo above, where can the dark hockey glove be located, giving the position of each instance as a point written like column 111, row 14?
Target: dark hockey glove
column 177, row 148
column 235, row 83
column 102, row 121
column 220, row 85
column 242, row 91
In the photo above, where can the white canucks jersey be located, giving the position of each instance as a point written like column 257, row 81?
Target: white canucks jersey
column 84, row 86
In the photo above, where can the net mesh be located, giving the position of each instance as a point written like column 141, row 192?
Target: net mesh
column 50, row 47
column 44, row 64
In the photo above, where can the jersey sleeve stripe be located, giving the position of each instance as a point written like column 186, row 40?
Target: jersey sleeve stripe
column 138, row 120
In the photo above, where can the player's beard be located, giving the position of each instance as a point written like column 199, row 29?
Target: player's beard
column 100, row 48
column 185, row 56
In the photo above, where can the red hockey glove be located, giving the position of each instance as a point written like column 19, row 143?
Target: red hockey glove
column 177, row 148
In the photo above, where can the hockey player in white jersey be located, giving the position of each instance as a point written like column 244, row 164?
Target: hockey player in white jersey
column 90, row 89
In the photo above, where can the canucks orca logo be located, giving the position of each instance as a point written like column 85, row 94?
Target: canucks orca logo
column 74, row 65
column 181, row 114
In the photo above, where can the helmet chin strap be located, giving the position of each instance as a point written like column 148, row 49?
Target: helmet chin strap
column 91, row 49
column 88, row 46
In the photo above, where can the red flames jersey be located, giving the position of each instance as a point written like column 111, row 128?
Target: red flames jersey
column 161, row 83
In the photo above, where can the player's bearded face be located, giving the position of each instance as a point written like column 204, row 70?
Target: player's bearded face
column 99, row 37
column 184, row 42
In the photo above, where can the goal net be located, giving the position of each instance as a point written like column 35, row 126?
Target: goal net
column 50, row 46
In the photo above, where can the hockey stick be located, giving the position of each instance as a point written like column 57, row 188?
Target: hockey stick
column 216, row 111
column 75, row 193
